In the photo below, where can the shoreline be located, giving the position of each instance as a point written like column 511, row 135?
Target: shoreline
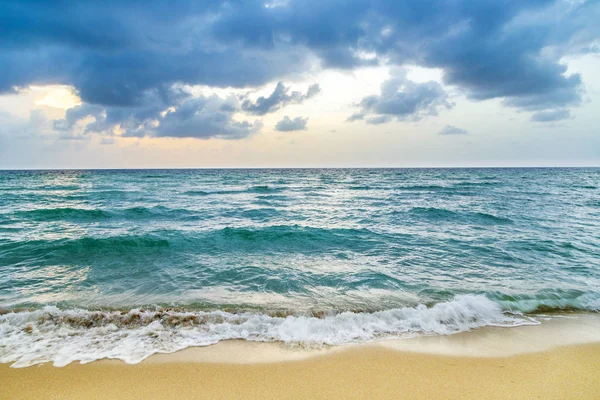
column 558, row 359
column 486, row 342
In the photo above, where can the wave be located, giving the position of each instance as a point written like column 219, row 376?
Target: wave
column 65, row 336
column 65, row 213
column 433, row 213
column 84, row 248
column 196, row 193
column 261, row 214
column 361, row 187
column 476, row 184
column 460, row 188
column 53, row 187
column 213, row 192
column 292, row 238
column 424, row 187
column 252, row 189
column 265, row 189
column 279, row 238
column 593, row 203
column 153, row 212
column 85, row 214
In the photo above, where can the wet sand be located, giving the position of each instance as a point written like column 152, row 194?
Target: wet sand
column 466, row 366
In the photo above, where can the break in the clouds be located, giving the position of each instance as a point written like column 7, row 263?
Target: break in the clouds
column 288, row 124
column 124, row 58
column 452, row 130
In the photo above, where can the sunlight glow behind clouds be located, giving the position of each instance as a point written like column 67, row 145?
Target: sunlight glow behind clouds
column 57, row 96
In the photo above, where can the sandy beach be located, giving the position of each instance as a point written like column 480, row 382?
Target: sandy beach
column 359, row 373
column 550, row 364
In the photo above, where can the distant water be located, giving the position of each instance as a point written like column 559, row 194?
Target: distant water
column 123, row 264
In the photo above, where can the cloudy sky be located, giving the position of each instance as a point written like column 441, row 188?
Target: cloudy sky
column 299, row 83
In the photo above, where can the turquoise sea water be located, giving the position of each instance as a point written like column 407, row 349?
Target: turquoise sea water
column 124, row 264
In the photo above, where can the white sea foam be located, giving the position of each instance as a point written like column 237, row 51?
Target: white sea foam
column 64, row 336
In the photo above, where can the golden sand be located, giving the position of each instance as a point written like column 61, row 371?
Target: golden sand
column 363, row 372
column 559, row 359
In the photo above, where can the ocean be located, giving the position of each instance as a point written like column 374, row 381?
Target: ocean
column 127, row 263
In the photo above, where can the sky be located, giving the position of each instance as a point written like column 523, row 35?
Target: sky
column 299, row 83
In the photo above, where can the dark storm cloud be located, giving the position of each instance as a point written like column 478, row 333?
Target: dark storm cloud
column 507, row 49
column 288, row 124
column 116, row 53
column 402, row 99
column 280, row 97
column 113, row 52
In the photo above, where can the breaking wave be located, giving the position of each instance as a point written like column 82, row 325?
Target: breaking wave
column 65, row 336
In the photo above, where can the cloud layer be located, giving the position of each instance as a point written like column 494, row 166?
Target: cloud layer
column 124, row 58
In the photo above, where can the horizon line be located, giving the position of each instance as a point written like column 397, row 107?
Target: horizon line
column 292, row 168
